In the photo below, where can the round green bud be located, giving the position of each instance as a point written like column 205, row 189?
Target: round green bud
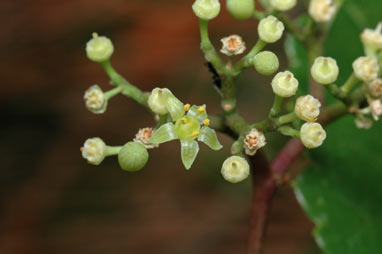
column 99, row 49
column 270, row 29
column 266, row 63
column 157, row 101
column 206, row 9
column 283, row 5
column 235, row 169
column 284, row 84
column 133, row 156
column 241, row 9
column 324, row 70
column 187, row 128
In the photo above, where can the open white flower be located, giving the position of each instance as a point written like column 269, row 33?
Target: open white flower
column 366, row 68
column 95, row 100
column 307, row 108
column 235, row 169
column 322, row 10
column 312, row 135
column 254, row 141
column 232, row 45
column 94, row 150
column 143, row 136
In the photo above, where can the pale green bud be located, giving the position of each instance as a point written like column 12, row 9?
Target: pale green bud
column 283, row 5
column 95, row 100
column 133, row 156
column 266, row 63
column 157, row 100
column 206, row 9
column 366, row 68
column 284, row 84
column 324, row 70
column 322, row 10
column 312, row 135
column 307, row 108
column 375, row 88
column 270, row 29
column 372, row 39
column 235, row 169
column 241, row 9
column 99, row 49
column 94, row 150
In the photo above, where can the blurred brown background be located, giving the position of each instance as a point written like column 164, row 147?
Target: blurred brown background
column 52, row 201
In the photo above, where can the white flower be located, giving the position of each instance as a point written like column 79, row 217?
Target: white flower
column 312, row 135
column 235, row 169
column 307, row 108
column 324, row 70
column 376, row 109
column 143, row 136
column 99, row 49
column 283, row 5
column 95, row 100
column 366, row 68
column 94, row 150
column 206, row 9
column 362, row 122
column 321, row 10
column 375, row 88
column 254, row 141
column 232, row 45
column 284, row 84
column 372, row 38
column 270, row 29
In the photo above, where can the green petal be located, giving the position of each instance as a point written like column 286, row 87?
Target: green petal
column 165, row 133
column 189, row 151
column 208, row 137
column 193, row 111
column 174, row 106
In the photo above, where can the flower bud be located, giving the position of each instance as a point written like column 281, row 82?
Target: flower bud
column 235, row 169
column 321, row 10
column 372, row 39
column 95, row 100
column 266, row 63
column 143, row 136
column 283, row 5
column 375, row 88
column 94, row 150
column 254, row 141
column 232, row 45
column 312, row 135
column 206, row 9
column 366, row 68
column 362, row 122
column 307, row 108
column 241, row 9
column 284, row 84
column 99, row 49
column 133, row 156
column 324, row 70
column 270, row 29
column 157, row 100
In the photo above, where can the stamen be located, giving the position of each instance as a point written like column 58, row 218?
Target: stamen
column 202, row 109
column 206, row 122
column 187, row 107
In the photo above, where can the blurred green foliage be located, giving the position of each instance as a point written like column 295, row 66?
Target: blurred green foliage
column 341, row 190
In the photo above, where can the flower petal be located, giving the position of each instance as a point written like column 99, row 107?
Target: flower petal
column 189, row 150
column 174, row 106
column 208, row 137
column 194, row 111
column 165, row 133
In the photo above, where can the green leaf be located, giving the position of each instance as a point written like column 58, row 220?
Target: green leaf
column 189, row 150
column 208, row 137
column 341, row 191
column 201, row 116
column 174, row 106
column 165, row 133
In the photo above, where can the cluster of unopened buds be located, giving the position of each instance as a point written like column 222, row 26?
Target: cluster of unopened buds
column 191, row 124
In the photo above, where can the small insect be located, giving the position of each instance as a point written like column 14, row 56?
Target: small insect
column 215, row 76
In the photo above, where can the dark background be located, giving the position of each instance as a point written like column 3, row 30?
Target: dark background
column 52, row 201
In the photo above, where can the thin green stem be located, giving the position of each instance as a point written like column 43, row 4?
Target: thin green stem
column 113, row 150
column 276, row 108
column 292, row 28
column 350, row 83
column 128, row 89
column 209, row 51
column 247, row 60
column 113, row 92
column 286, row 118
column 289, row 131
